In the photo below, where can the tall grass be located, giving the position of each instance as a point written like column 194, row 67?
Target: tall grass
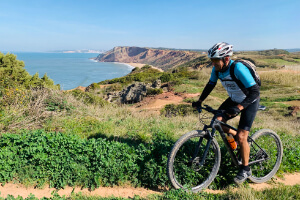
column 280, row 77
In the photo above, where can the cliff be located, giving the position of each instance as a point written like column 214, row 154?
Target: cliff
column 164, row 59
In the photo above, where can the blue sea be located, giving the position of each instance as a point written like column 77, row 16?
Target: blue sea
column 71, row 70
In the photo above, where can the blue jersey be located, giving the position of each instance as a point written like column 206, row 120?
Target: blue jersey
column 242, row 73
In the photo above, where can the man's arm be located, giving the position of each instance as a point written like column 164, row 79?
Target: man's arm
column 207, row 90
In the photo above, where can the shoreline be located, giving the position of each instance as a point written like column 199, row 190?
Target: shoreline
column 140, row 65
column 131, row 65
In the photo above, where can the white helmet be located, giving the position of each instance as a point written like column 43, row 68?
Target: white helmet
column 220, row 50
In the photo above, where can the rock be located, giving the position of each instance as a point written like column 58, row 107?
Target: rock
column 112, row 96
column 157, row 84
column 134, row 93
column 294, row 110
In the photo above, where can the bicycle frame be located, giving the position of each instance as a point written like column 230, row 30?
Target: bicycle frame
column 216, row 125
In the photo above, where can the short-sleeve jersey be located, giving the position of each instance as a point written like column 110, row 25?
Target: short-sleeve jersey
column 242, row 73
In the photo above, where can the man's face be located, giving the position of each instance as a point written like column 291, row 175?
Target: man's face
column 218, row 63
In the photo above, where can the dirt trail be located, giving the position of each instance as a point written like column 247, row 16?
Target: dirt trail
column 156, row 103
column 125, row 192
column 21, row 190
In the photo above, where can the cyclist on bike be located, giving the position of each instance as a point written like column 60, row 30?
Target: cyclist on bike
column 241, row 100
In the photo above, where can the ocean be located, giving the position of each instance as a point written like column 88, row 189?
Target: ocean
column 71, row 70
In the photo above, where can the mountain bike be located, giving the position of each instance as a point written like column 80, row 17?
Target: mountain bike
column 195, row 158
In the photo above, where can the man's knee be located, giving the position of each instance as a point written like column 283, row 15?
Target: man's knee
column 220, row 118
column 242, row 136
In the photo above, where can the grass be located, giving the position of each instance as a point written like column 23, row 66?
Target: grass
column 281, row 78
column 276, row 62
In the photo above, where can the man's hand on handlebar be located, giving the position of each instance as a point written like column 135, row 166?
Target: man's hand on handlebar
column 197, row 104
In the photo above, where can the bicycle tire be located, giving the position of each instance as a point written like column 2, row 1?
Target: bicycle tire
column 184, row 173
column 270, row 142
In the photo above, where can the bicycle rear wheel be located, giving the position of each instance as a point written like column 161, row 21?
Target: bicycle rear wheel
column 186, row 172
column 268, row 150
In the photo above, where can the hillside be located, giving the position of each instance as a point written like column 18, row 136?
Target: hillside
column 161, row 58
column 54, row 139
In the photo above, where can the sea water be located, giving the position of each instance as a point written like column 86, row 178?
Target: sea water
column 71, row 70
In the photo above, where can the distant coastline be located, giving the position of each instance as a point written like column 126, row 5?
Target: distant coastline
column 131, row 65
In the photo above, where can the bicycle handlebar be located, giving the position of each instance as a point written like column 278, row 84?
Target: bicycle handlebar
column 211, row 110
column 208, row 109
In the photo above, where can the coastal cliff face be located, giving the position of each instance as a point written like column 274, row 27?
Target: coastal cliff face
column 164, row 59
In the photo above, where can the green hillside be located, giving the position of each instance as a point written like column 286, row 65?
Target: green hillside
column 76, row 138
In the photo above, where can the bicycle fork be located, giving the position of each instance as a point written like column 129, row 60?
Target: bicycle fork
column 201, row 163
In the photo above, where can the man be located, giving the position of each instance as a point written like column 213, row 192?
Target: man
column 241, row 100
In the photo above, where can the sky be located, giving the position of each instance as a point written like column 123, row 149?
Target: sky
column 49, row 25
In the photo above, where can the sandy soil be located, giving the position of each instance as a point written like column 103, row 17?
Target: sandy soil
column 126, row 192
column 159, row 101
column 140, row 65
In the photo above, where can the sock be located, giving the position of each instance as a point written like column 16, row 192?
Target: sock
column 247, row 168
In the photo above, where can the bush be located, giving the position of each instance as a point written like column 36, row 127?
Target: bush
column 88, row 97
column 154, row 91
column 172, row 110
column 166, row 77
column 58, row 159
column 13, row 75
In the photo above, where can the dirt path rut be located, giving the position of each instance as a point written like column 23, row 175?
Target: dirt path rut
column 125, row 192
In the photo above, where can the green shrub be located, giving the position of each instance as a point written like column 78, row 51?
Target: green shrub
column 154, row 91
column 114, row 87
column 13, row 75
column 94, row 86
column 58, row 159
column 141, row 75
column 145, row 67
column 172, row 110
column 57, row 104
column 166, row 77
column 88, row 97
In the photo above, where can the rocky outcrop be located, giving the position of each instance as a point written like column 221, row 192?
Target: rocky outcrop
column 133, row 93
column 161, row 58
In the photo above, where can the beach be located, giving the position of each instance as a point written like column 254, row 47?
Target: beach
column 140, row 65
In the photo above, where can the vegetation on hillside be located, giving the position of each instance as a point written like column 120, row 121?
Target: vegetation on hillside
column 76, row 138
column 13, row 75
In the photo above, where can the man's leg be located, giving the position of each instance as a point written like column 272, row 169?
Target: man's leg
column 244, row 146
column 247, row 118
column 226, row 104
column 245, row 170
column 225, row 128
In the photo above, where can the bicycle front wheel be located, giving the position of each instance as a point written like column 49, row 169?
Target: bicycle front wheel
column 185, row 169
column 265, row 154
